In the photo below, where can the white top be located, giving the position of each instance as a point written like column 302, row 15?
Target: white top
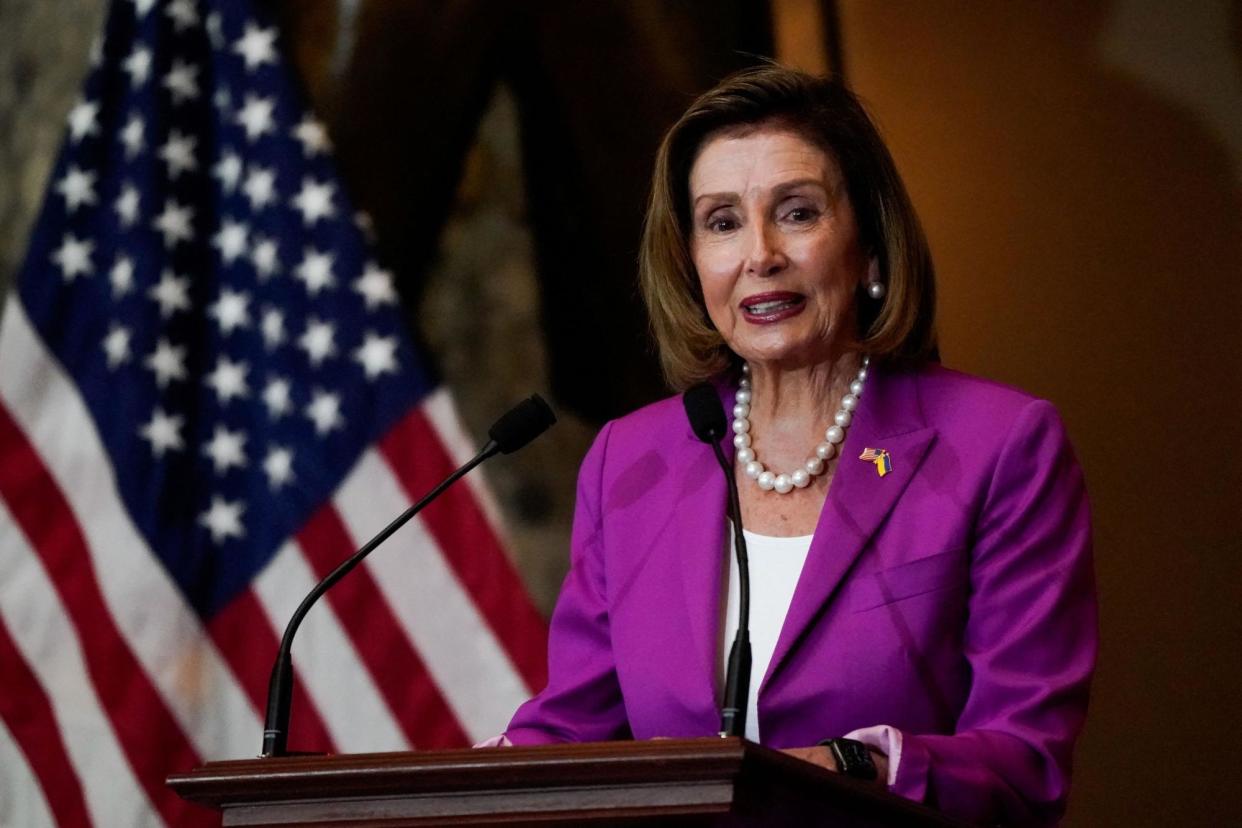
column 775, row 566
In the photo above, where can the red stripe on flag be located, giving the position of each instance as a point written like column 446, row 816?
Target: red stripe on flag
column 419, row 459
column 27, row 713
column 244, row 635
column 399, row 672
column 149, row 735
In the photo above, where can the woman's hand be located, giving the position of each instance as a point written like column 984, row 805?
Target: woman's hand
column 822, row 756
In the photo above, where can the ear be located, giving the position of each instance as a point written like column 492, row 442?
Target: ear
column 873, row 269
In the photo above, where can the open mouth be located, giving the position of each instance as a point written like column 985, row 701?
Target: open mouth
column 772, row 307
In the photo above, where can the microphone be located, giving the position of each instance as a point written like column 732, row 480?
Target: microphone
column 517, row 427
column 707, row 420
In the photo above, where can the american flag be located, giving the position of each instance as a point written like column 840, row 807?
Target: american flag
column 207, row 400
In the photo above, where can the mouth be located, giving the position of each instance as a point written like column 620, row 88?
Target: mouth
column 764, row 308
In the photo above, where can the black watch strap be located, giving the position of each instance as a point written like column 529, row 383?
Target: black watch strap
column 853, row 758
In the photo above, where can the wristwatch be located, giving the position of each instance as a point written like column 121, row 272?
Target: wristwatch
column 853, row 758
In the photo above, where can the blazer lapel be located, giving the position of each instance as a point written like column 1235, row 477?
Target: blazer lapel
column 859, row 498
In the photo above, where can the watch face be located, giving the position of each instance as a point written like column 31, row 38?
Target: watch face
column 853, row 758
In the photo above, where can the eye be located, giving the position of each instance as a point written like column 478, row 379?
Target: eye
column 720, row 223
column 801, row 215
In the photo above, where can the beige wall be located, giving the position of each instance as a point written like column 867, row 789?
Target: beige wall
column 1077, row 168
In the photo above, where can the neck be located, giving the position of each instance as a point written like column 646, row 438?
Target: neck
column 802, row 396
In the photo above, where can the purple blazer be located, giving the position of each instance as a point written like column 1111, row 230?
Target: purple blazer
column 952, row 599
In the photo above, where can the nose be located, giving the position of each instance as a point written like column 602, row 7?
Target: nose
column 765, row 256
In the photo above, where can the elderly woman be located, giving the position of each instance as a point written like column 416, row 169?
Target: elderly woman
column 919, row 539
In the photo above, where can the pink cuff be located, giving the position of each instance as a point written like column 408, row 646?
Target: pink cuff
column 496, row 741
column 882, row 739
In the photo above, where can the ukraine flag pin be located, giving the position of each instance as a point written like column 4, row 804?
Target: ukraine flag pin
column 883, row 462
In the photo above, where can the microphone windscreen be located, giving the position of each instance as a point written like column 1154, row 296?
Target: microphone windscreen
column 705, row 412
column 521, row 424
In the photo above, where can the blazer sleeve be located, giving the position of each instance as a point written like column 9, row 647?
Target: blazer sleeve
column 582, row 701
column 1030, row 639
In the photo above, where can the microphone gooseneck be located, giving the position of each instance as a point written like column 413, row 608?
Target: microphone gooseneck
column 517, row 427
column 707, row 420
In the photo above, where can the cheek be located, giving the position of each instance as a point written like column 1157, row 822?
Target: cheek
column 716, row 282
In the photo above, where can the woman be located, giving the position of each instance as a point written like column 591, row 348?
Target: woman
column 919, row 539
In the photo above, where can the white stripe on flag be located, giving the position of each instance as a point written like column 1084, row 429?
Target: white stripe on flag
column 22, row 801
column 439, row 408
column 159, row 626
column 348, row 701
column 40, row 627
column 471, row 668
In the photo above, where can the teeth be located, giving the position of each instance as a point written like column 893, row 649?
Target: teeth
column 768, row 307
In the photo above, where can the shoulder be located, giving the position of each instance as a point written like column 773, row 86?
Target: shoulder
column 945, row 390
column 643, row 439
column 977, row 408
column 1004, row 432
column 656, row 426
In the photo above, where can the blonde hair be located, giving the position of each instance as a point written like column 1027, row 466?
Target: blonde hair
column 826, row 113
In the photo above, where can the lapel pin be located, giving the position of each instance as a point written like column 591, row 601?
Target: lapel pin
column 883, row 461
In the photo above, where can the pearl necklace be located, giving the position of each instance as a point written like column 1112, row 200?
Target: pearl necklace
column 833, row 437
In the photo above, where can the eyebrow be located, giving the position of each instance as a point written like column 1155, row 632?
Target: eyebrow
column 779, row 189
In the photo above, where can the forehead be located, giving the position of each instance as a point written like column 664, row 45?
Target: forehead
column 742, row 159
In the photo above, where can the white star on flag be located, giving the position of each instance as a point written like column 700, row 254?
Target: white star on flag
column 116, row 346
column 260, row 187
column 126, row 205
column 314, row 201
column 82, row 120
column 231, row 311
column 132, row 136
column 167, row 362
column 182, row 14
column 163, row 432
column 174, row 223
column 315, row 271
column 228, row 380
column 228, row 171
column 121, row 276
column 77, row 187
column 377, row 355
column 257, row 46
column 215, row 29
column 265, row 257
column 74, row 257
column 278, row 466
column 313, row 137
column 223, row 519
column 171, row 293
column 273, row 326
column 180, row 81
column 376, row 288
column 138, row 66
column 325, row 411
column 141, row 7
column 256, row 116
column 231, row 239
column 178, row 154
column 318, row 340
column 226, row 450
column 222, row 100
column 277, row 397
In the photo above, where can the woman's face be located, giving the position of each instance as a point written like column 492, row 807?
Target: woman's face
column 776, row 247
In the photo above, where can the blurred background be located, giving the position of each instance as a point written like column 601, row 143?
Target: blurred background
column 1077, row 165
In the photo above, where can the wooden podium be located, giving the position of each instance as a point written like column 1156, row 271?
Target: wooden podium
column 673, row 782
